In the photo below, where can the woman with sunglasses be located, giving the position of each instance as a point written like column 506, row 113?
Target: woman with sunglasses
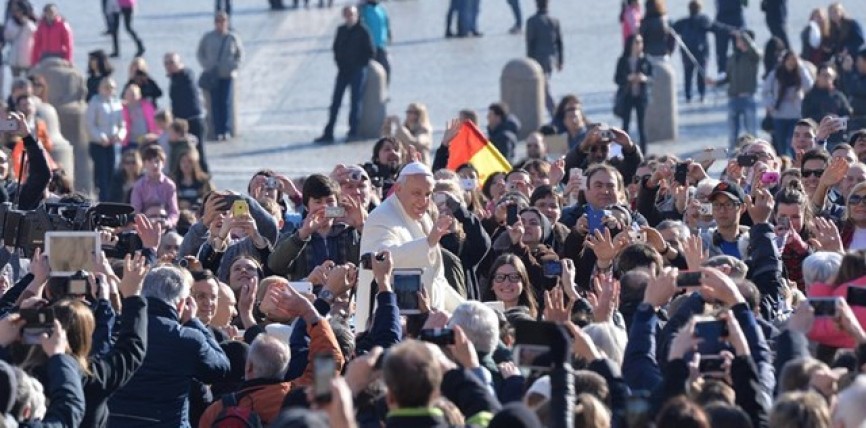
column 854, row 227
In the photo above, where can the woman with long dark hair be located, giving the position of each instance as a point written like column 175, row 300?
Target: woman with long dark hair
column 569, row 119
column 98, row 68
column 784, row 89
column 192, row 182
column 18, row 33
column 793, row 213
column 509, row 284
column 633, row 71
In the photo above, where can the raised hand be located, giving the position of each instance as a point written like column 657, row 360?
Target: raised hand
column 463, row 350
column 312, row 223
column 557, row 171
column 10, row 328
column 605, row 297
column 452, row 128
column 760, row 206
column 39, row 266
column 319, row 274
column 603, row 245
column 555, row 308
column 134, row 270
column 190, row 309
column 515, row 232
column 826, row 235
column 56, row 343
column 720, row 286
column 835, row 172
column 440, row 229
column 149, row 232
column 382, row 270
column 661, row 288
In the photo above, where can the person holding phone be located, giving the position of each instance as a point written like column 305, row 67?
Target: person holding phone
column 320, row 236
column 525, row 239
column 467, row 238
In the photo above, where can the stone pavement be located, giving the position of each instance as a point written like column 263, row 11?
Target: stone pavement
column 286, row 81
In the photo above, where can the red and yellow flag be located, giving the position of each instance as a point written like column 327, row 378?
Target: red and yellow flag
column 471, row 146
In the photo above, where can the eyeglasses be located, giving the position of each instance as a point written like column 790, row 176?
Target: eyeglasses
column 762, row 155
column 857, row 200
column 512, row 277
column 638, row 178
column 725, row 205
column 809, row 172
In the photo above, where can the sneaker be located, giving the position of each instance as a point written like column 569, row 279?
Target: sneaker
column 448, row 34
column 515, row 30
column 477, row 34
column 324, row 139
column 114, row 55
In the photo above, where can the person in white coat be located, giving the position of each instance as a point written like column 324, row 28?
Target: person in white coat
column 403, row 226
column 18, row 33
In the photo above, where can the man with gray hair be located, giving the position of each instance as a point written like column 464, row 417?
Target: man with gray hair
column 263, row 389
column 480, row 324
column 180, row 349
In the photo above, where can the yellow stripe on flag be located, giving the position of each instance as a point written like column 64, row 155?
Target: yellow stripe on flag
column 471, row 146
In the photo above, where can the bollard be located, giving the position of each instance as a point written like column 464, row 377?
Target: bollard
column 660, row 121
column 67, row 98
column 61, row 150
column 375, row 94
column 522, row 89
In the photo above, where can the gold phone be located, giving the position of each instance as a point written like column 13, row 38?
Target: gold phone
column 240, row 208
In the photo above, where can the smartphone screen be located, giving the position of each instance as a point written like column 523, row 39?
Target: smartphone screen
column 325, row 368
column 552, row 268
column 689, row 278
column 437, row 336
column 407, row 284
column 712, row 332
column 511, row 214
column 711, row 364
column 532, row 344
column 240, row 208
column 856, row 296
column 334, row 212
column 681, row 173
column 302, row 286
column 823, row 306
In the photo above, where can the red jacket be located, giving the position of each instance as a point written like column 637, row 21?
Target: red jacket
column 825, row 330
column 54, row 39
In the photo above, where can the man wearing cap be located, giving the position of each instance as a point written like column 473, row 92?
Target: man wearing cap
column 403, row 226
column 728, row 201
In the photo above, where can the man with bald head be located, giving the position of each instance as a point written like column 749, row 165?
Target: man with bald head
column 403, row 225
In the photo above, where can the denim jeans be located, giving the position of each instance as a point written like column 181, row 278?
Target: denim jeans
column 744, row 108
column 468, row 17
column 104, row 159
column 219, row 106
column 639, row 106
column 347, row 78
column 515, row 9
column 783, row 130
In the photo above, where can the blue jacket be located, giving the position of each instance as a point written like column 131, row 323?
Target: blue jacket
column 640, row 366
column 157, row 396
column 64, row 394
column 374, row 17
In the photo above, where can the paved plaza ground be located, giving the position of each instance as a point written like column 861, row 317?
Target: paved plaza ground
column 286, row 81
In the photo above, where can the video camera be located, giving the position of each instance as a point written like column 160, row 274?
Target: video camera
column 25, row 230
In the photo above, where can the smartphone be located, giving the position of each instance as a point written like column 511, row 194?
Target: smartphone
column 823, row 306
column 714, row 154
column 511, row 214
column 681, row 173
column 746, row 160
column 711, row 364
column 468, row 184
column 578, row 172
column 595, row 219
column 335, row 212
column 37, row 321
column 407, row 284
column 496, row 305
column 532, row 344
column 689, row 278
column 712, row 332
column 783, row 222
column 552, row 268
column 366, row 261
column 856, row 296
column 228, row 201
column 637, row 235
column 842, row 121
column 706, row 209
column 240, row 208
column 302, row 286
column 770, row 178
column 437, row 336
column 604, row 131
column 8, row 125
column 271, row 183
column 324, row 369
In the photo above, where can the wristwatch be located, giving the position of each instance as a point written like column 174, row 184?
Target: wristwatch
column 327, row 296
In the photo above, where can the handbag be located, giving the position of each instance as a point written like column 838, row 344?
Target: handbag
column 209, row 78
column 620, row 109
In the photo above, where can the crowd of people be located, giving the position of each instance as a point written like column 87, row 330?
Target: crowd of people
column 604, row 288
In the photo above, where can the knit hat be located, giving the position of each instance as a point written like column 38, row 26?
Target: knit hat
column 515, row 415
column 8, row 387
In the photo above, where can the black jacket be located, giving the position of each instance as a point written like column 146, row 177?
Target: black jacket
column 471, row 250
column 544, row 41
column 626, row 165
column 149, row 89
column 38, row 176
column 113, row 371
column 623, row 69
column 353, row 47
column 63, row 393
column 504, row 139
column 820, row 102
column 656, row 35
column 855, row 88
column 184, row 95
column 693, row 30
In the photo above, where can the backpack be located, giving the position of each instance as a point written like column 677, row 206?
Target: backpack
column 234, row 416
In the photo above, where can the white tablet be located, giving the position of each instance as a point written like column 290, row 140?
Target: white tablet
column 69, row 252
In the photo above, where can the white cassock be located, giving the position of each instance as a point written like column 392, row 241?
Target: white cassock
column 389, row 227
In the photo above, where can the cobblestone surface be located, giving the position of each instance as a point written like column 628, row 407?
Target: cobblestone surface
column 286, row 81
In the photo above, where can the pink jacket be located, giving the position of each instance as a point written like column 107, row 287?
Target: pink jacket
column 631, row 18
column 825, row 330
column 126, row 3
column 54, row 39
column 148, row 110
